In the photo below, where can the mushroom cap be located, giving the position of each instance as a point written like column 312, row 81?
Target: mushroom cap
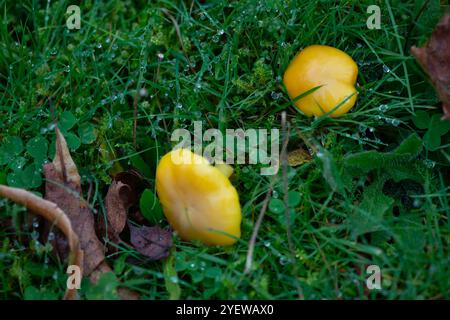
column 198, row 200
column 325, row 66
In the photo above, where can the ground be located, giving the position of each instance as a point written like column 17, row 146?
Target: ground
column 372, row 187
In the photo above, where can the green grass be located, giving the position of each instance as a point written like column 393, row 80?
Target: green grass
column 394, row 212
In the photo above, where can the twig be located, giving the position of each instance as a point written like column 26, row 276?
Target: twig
column 252, row 242
column 51, row 212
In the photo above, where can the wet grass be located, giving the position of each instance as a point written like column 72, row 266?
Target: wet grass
column 224, row 68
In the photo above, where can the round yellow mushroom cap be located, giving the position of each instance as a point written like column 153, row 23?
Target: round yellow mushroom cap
column 197, row 198
column 328, row 67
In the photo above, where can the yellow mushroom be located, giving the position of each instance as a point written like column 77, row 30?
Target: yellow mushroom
column 328, row 67
column 197, row 198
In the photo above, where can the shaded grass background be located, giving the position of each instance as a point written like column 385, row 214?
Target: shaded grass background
column 228, row 76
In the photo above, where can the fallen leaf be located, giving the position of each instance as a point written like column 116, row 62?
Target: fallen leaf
column 63, row 187
column 434, row 57
column 298, row 157
column 134, row 180
column 116, row 203
column 123, row 193
column 153, row 242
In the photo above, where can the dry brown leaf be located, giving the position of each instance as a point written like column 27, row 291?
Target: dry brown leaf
column 116, row 203
column 63, row 187
column 52, row 213
column 298, row 157
column 153, row 242
column 434, row 57
column 123, row 193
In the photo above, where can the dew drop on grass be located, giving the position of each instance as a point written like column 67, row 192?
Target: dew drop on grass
column 283, row 261
column 173, row 279
column 386, row 68
column 197, row 87
column 275, row 194
column 395, row 122
column 417, row 203
column 179, row 106
column 143, row 92
column 160, row 56
column 429, row 163
column 274, row 95
column 114, row 47
column 267, row 244
column 108, row 40
column 99, row 46
column 383, row 108
column 67, row 68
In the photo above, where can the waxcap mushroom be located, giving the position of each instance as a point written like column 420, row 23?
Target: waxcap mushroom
column 331, row 69
column 197, row 198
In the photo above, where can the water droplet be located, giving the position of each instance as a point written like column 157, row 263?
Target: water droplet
column 395, row 122
column 179, row 106
column 192, row 266
column 51, row 236
column 108, row 40
column 274, row 95
column 417, row 203
column 267, row 244
column 275, row 194
column 197, row 87
column 383, row 108
column 215, row 38
column 220, row 32
column 386, row 68
column 160, row 56
column 143, row 92
column 429, row 163
column 173, row 279
column 67, row 68
column 114, row 47
column 283, row 261
column 99, row 46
